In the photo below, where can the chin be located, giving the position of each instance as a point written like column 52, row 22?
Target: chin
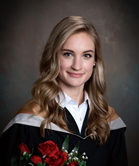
column 75, row 84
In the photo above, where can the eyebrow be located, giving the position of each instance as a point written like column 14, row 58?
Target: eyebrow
column 73, row 51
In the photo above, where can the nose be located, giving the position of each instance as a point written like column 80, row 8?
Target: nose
column 76, row 63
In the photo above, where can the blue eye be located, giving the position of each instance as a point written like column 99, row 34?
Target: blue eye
column 67, row 54
column 87, row 55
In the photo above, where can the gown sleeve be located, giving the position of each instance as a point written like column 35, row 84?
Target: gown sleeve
column 117, row 148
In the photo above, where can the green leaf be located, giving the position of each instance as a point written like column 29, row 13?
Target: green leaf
column 65, row 163
column 65, row 144
column 75, row 149
column 25, row 154
column 82, row 163
column 39, row 164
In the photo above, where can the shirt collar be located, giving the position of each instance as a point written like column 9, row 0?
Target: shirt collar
column 65, row 99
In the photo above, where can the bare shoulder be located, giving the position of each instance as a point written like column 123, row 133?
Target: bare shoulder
column 31, row 108
column 112, row 115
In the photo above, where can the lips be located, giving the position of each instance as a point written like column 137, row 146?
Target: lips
column 76, row 75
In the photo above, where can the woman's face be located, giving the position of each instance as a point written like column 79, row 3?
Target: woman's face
column 77, row 58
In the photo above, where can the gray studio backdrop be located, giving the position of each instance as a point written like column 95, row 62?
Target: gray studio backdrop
column 24, row 28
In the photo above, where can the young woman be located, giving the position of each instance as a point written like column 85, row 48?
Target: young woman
column 68, row 99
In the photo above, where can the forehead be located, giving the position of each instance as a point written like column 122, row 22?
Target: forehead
column 79, row 41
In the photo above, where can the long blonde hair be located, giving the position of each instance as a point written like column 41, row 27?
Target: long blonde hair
column 46, row 88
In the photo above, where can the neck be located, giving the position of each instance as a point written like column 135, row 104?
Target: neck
column 75, row 93
column 78, row 96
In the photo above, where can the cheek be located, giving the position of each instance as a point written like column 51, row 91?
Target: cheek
column 89, row 68
column 64, row 64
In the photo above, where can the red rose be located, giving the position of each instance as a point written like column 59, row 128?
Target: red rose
column 48, row 148
column 36, row 159
column 58, row 159
column 23, row 148
column 73, row 163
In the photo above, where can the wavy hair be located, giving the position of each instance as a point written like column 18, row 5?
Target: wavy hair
column 46, row 88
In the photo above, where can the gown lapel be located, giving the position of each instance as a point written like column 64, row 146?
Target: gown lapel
column 72, row 124
column 85, row 122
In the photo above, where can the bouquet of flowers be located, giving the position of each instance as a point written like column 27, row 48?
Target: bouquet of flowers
column 49, row 155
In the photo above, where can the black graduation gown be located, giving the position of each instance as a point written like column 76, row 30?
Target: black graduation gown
column 26, row 129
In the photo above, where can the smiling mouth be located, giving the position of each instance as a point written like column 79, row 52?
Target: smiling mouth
column 76, row 75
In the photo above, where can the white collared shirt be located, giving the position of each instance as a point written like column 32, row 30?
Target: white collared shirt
column 78, row 113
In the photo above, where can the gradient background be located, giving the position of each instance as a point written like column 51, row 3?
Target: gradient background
column 24, row 28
